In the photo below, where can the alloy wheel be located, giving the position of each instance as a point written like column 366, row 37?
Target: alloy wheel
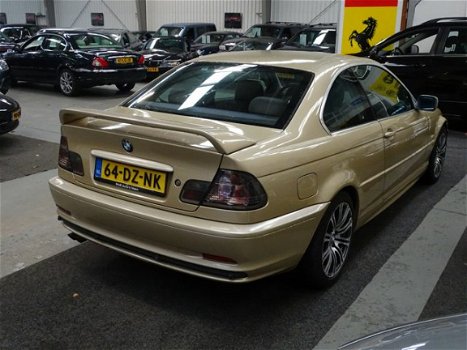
column 66, row 82
column 440, row 154
column 336, row 242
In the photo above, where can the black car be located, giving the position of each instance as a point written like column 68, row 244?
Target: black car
column 122, row 36
column 10, row 113
column 5, row 80
column 431, row 58
column 163, row 53
column 209, row 42
column 75, row 59
column 278, row 30
column 20, row 32
column 317, row 37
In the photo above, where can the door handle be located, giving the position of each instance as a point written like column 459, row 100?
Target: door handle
column 389, row 133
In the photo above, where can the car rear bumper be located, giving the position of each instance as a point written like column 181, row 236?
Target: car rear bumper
column 92, row 77
column 186, row 243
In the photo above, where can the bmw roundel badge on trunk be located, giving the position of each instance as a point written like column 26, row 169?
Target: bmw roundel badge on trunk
column 127, row 146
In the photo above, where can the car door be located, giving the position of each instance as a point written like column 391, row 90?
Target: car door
column 349, row 118
column 26, row 63
column 449, row 72
column 410, row 56
column 405, row 129
column 52, row 56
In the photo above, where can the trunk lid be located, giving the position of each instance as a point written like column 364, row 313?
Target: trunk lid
column 148, row 156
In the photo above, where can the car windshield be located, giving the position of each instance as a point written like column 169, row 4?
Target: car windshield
column 241, row 93
column 169, row 31
column 258, row 31
column 93, row 41
column 166, row 44
column 312, row 37
column 209, row 38
column 252, row 45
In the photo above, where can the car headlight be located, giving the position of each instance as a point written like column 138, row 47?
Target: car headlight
column 3, row 65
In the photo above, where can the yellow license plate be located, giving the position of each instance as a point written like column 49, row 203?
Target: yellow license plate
column 16, row 115
column 124, row 60
column 130, row 177
column 152, row 69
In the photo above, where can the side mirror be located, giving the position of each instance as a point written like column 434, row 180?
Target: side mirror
column 427, row 103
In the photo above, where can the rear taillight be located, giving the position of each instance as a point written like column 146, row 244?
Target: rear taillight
column 141, row 60
column 69, row 160
column 100, row 62
column 230, row 190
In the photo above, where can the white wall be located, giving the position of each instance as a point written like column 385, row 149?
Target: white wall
column 161, row 12
column 16, row 9
column 77, row 13
column 429, row 9
column 305, row 11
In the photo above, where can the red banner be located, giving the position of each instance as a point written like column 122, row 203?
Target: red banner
column 370, row 3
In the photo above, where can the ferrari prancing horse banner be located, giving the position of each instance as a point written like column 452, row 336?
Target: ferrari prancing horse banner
column 363, row 23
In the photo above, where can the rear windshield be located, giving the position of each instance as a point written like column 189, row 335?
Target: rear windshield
column 93, row 41
column 241, row 93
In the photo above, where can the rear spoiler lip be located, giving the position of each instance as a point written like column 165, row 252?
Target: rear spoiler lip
column 232, row 143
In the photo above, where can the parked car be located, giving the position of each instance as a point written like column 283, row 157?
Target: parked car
column 164, row 53
column 10, row 113
column 19, row 33
column 144, row 35
column 264, row 43
column 240, row 165
column 189, row 31
column 5, row 43
column 448, row 332
column 122, row 36
column 209, row 42
column 278, row 30
column 75, row 59
column 317, row 37
column 5, row 80
column 431, row 58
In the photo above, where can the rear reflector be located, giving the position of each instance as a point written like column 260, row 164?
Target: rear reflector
column 221, row 259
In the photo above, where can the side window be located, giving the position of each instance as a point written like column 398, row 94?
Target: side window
column 419, row 43
column 456, row 43
column 34, row 45
column 54, row 44
column 126, row 40
column 346, row 104
column 386, row 94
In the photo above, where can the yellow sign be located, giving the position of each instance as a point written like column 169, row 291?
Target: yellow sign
column 366, row 22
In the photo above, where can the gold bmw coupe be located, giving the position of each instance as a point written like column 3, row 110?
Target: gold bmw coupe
column 238, row 166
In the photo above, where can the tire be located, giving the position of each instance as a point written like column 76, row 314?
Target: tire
column 125, row 87
column 437, row 157
column 328, row 251
column 67, row 83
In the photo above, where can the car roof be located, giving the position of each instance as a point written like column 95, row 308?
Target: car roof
column 301, row 60
column 184, row 24
column 279, row 24
column 47, row 30
column 108, row 30
column 222, row 32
